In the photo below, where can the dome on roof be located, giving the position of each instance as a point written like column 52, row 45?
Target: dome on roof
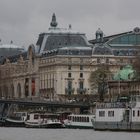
column 102, row 49
column 99, row 31
column 136, row 30
column 99, row 35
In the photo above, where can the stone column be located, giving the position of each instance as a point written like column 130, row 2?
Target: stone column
column 15, row 89
column 23, row 89
column 37, row 87
column 30, row 87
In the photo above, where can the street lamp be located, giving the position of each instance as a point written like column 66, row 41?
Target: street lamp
column 119, row 76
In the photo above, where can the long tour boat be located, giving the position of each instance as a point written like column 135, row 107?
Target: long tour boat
column 120, row 116
column 79, row 121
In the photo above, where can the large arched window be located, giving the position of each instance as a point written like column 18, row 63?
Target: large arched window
column 131, row 39
column 19, row 90
column 12, row 91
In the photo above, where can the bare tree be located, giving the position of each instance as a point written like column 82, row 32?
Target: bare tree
column 99, row 82
column 136, row 66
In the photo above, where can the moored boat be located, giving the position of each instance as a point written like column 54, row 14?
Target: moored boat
column 45, row 120
column 79, row 121
column 118, row 116
column 16, row 120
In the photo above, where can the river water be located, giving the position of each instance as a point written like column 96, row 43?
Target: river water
column 64, row 134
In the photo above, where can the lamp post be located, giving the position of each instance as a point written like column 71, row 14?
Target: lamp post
column 119, row 85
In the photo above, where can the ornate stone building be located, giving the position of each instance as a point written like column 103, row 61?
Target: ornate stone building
column 19, row 75
column 61, row 63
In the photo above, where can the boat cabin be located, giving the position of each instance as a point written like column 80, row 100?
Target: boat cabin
column 119, row 111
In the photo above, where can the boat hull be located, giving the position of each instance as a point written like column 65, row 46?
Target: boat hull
column 13, row 123
column 49, row 125
column 117, row 126
column 79, row 127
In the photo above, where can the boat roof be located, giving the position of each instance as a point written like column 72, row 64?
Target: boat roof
column 81, row 115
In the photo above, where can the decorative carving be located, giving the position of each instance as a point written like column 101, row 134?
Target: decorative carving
column 7, row 61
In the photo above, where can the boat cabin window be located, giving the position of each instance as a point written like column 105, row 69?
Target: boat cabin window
column 28, row 117
column 110, row 113
column 45, row 116
column 78, row 118
column 18, row 115
column 36, row 116
column 69, row 117
column 87, row 119
column 23, row 114
column 101, row 113
column 74, row 119
column 138, row 113
column 133, row 113
column 42, row 116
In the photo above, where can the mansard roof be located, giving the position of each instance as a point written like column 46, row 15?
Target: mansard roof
column 57, row 38
column 123, row 44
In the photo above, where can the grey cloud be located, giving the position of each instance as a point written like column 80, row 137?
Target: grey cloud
column 22, row 20
column 129, row 10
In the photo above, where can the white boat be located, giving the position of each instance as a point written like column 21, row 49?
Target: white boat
column 79, row 121
column 45, row 120
column 17, row 119
column 121, row 116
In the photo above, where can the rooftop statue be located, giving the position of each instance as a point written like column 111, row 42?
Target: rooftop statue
column 127, row 73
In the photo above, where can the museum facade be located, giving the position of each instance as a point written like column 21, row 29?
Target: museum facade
column 60, row 64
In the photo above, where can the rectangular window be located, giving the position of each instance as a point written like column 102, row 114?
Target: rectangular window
column 81, row 75
column 101, row 113
column 69, row 74
column 133, row 113
column 110, row 113
column 36, row 116
column 69, row 84
column 69, row 67
column 138, row 113
column 81, row 85
column 81, row 67
column 69, row 87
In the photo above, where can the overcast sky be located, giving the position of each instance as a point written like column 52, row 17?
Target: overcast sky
column 23, row 20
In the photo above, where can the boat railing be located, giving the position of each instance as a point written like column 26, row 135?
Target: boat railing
column 112, row 105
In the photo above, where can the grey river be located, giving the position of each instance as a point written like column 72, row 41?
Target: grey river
column 64, row 134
